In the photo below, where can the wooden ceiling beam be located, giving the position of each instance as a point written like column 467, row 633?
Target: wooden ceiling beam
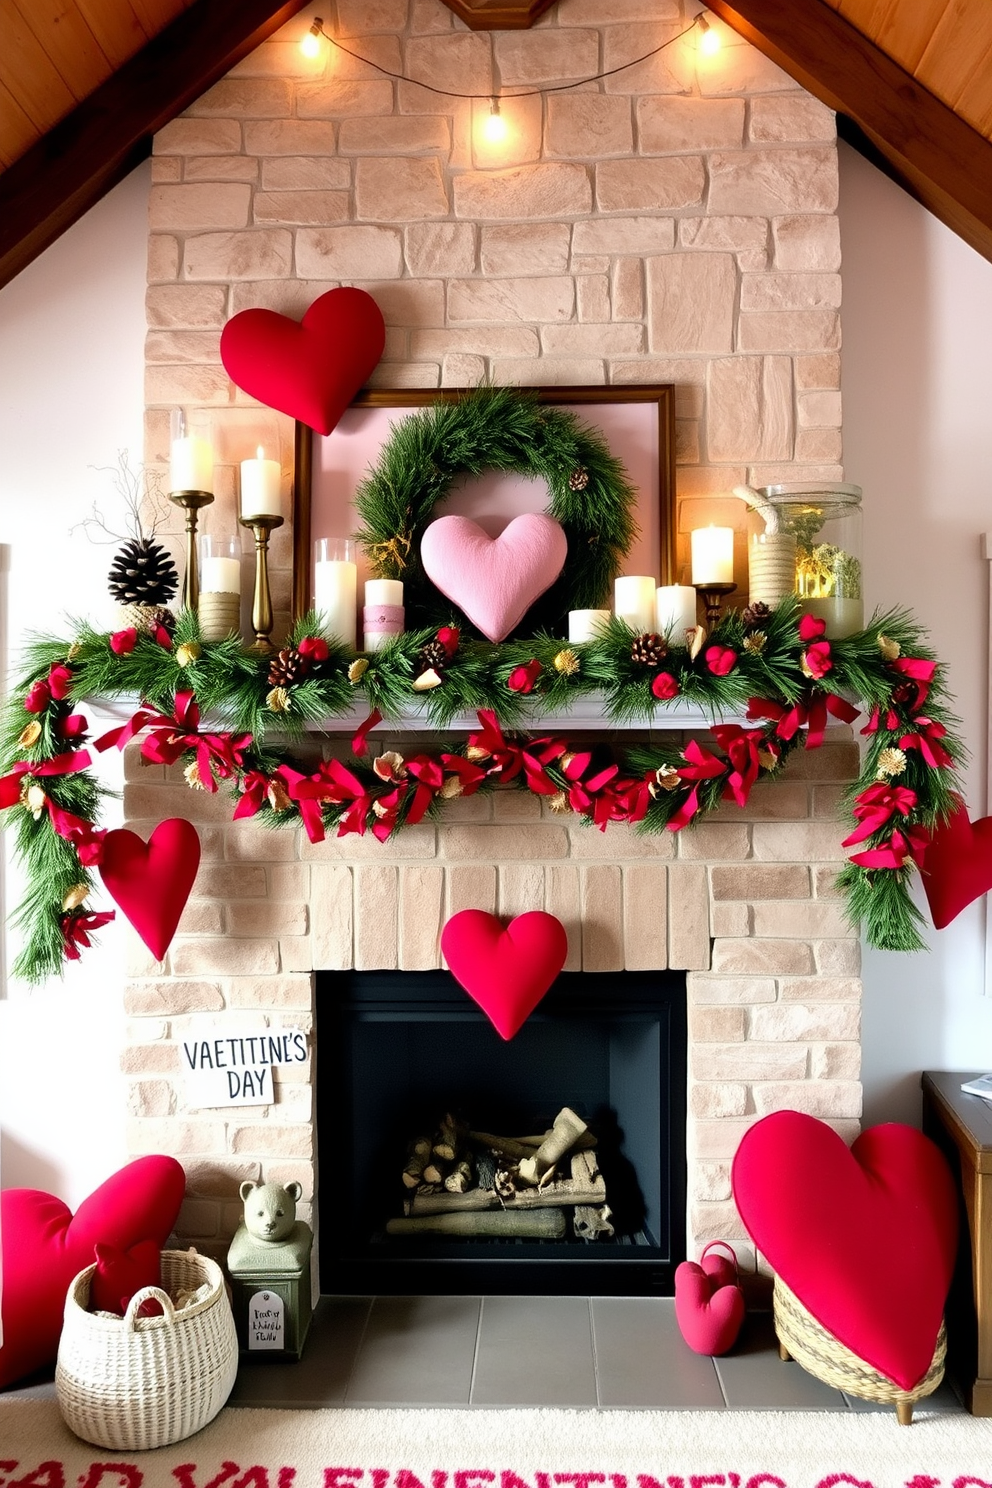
column 929, row 150
column 94, row 147
column 498, row 15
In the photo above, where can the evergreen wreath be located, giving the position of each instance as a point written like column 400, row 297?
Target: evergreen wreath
column 503, row 429
column 775, row 665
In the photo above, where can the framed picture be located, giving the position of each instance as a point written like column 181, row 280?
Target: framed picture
column 638, row 424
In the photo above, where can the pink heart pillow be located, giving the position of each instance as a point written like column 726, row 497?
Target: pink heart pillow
column 506, row 972
column 865, row 1237
column 311, row 369
column 45, row 1246
column 494, row 580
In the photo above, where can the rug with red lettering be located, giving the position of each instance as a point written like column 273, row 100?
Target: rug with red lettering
column 475, row 1448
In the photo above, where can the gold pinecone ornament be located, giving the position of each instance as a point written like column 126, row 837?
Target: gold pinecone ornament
column 649, row 649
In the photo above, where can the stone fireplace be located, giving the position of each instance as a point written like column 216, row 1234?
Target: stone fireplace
column 673, row 222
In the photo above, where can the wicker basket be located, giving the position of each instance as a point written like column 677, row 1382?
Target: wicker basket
column 802, row 1338
column 135, row 1382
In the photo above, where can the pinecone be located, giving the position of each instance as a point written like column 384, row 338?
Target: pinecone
column 287, row 667
column 649, row 649
column 432, row 658
column 579, row 479
column 756, row 614
column 143, row 573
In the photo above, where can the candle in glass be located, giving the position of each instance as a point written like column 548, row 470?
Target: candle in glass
column 675, row 610
column 633, row 601
column 261, row 494
column 712, row 555
column 584, row 625
column 220, row 565
column 335, row 586
column 383, row 615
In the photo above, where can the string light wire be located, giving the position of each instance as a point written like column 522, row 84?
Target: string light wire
column 317, row 29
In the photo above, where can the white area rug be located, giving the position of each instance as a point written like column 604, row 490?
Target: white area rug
column 511, row 1449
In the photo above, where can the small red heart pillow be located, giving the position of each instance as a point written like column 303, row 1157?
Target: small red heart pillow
column 310, row 369
column 864, row 1236
column 506, row 972
column 45, row 1246
column 709, row 1304
column 957, row 865
column 151, row 881
column 121, row 1273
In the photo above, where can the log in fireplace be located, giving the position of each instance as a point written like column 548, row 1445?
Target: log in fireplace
column 398, row 1052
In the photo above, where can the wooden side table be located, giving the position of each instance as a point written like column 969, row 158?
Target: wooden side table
column 961, row 1125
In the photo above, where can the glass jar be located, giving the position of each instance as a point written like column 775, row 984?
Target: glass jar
column 805, row 539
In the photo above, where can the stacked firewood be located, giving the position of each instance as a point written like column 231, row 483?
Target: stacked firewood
column 478, row 1184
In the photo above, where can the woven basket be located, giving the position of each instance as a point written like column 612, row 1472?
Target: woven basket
column 135, row 1382
column 823, row 1356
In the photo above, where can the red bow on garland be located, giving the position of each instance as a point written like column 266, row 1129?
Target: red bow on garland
column 810, row 711
column 874, row 809
column 171, row 737
column 87, row 839
column 76, row 925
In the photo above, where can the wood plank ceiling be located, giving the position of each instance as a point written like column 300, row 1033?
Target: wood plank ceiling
column 85, row 83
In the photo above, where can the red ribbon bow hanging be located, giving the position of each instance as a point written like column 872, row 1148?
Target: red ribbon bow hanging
column 76, row 927
column 810, row 712
column 918, row 672
column 510, row 758
column 911, row 843
column 741, row 747
column 701, row 764
column 170, row 737
column 85, row 838
column 927, row 741
column 876, row 806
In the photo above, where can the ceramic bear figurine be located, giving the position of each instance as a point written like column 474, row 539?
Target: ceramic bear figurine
column 270, row 1209
column 270, row 1237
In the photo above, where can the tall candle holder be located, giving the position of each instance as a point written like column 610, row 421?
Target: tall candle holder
column 191, row 502
column 713, row 596
column 261, row 606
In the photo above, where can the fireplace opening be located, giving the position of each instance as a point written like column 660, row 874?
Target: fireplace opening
column 399, row 1052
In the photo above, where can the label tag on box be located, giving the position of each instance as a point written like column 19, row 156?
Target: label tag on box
column 266, row 1321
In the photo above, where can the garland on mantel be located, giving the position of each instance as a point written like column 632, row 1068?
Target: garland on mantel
column 776, row 666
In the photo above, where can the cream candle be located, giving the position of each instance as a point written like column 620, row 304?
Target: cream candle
column 383, row 592
column 382, row 617
column 335, row 587
column 220, row 576
column 585, row 625
column 712, row 555
column 191, row 464
column 633, row 601
column 675, row 610
column 261, row 494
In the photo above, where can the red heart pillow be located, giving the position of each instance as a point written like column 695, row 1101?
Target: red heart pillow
column 45, row 1246
column 865, row 1237
column 709, row 1304
column 957, row 865
column 506, row 972
column 121, row 1273
column 311, row 369
column 151, row 881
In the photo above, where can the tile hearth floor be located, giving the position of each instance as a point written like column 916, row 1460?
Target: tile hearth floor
column 611, row 1353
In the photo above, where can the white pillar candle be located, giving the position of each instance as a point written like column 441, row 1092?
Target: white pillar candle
column 712, row 555
column 220, row 576
column 675, row 610
column 633, row 601
column 585, row 625
column 191, row 464
column 335, row 587
column 261, row 494
column 383, row 592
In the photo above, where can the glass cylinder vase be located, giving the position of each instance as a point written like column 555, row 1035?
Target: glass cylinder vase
column 805, row 539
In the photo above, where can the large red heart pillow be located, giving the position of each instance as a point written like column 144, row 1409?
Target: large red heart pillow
column 310, row 369
column 864, row 1236
column 506, row 972
column 957, row 864
column 151, row 881
column 45, row 1246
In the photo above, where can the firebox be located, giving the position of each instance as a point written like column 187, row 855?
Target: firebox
column 405, row 1059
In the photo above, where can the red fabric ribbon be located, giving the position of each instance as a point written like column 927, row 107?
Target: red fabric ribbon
column 741, row 748
column 919, row 672
column 927, row 741
column 360, row 742
column 701, row 764
column 510, row 758
column 171, row 737
column 876, row 806
column 76, row 927
column 810, row 712
column 911, row 843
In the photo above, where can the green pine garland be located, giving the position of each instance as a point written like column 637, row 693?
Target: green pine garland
column 771, row 664
column 497, row 429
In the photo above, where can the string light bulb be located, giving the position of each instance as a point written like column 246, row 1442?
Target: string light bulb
column 494, row 129
column 709, row 40
column 311, row 43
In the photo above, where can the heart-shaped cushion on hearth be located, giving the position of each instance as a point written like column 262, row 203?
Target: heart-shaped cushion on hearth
column 45, row 1246
column 865, row 1237
column 310, row 369
column 494, row 580
column 151, row 881
column 957, row 864
column 506, row 972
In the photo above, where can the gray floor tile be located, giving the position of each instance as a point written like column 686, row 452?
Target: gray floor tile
column 642, row 1360
column 320, row 1378
column 754, row 1377
column 535, row 1351
column 416, row 1351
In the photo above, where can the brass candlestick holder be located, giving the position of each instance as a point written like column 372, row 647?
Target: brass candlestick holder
column 191, row 502
column 261, row 605
column 713, row 596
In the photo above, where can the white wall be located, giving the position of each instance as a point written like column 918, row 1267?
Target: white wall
column 917, row 389
column 918, row 437
column 72, row 329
